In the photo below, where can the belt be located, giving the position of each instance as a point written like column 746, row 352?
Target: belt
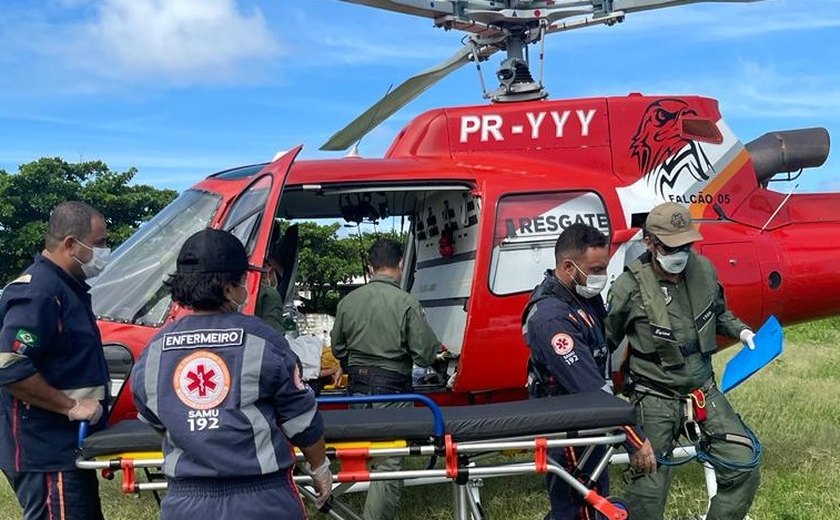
column 374, row 380
column 224, row 486
column 659, row 391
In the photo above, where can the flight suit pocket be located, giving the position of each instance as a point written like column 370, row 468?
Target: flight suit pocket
column 643, row 330
column 721, row 418
column 659, row 419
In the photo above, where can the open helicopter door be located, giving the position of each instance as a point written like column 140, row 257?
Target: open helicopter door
column 252, row 216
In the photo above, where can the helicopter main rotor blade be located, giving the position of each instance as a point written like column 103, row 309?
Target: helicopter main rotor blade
column 413, row 7
column 630, row 6
column 399, row 97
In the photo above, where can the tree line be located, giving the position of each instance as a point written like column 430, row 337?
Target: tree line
column 28, row 196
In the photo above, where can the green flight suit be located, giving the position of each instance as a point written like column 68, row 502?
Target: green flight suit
column 655, row 363
column 270, row 307
column 382, row 326
column 379, row 325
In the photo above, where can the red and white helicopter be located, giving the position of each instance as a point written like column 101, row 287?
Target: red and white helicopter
column 484, row 191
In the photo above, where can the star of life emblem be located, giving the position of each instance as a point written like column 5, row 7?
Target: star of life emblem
column 202, row 380
column 562, row 343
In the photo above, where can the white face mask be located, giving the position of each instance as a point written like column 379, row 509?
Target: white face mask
column 98, row 261
column 674, row 263
column 595, row 283
column 241, row 306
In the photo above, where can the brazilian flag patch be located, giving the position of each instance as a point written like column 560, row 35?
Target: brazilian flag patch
column 26, row 338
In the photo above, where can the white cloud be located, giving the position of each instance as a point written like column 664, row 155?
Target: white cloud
column 183, row 41
column 80, row 43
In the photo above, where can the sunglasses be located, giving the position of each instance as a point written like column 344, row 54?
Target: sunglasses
column 672, row 250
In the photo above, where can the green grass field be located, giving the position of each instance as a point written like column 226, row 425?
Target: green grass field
column 794, row 406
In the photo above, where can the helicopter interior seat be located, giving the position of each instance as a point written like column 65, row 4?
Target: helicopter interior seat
column 285, row 251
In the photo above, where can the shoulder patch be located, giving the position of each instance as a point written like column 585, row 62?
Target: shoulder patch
column 562, row 343
column 24, row 340
column 27, row 338
column 202, row 380
column 26, row 278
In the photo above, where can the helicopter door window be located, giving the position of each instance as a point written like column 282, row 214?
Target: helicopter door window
column 527, row 226
column 244, row 218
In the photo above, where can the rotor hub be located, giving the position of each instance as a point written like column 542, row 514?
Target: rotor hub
column 516, row 83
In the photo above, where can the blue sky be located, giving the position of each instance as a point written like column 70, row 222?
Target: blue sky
column 180, row 89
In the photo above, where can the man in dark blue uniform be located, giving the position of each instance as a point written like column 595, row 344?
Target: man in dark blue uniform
column 226, row 392
column 52, row 369
column 563, row 325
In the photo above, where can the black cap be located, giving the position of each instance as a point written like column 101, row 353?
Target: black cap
column 212, row 251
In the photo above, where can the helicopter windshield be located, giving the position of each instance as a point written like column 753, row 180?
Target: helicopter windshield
column 131, row 288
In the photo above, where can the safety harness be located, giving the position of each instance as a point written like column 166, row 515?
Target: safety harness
column 692, row 419
column 664, row 349
column 541, row 382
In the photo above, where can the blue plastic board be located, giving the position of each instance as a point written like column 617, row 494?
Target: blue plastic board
column 768, row 346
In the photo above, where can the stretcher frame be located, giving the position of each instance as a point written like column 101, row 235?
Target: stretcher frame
column 463, row 468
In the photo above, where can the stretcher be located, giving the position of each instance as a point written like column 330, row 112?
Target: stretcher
column 457, row 441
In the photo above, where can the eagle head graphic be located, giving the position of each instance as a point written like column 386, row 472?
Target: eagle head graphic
column 663, row 154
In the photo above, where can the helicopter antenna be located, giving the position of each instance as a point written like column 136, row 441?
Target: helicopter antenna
column 354, row 152
column 779, row 208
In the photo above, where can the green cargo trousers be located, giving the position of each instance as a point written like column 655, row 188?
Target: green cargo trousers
column 383, row 498
column 661, row 419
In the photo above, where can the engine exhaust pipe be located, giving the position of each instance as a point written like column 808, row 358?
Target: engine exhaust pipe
column 788, row 151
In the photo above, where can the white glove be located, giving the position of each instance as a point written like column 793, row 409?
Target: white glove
column 86, row 410
column 322, row 479
column 747, row 338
